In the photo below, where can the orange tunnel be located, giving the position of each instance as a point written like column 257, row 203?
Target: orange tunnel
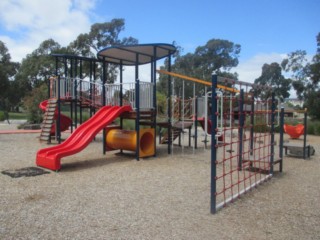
column 127, row 140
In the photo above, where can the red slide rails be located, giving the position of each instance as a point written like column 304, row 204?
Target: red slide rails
column 65, row 121
column 80, row 138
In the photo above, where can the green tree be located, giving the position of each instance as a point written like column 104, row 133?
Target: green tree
column 215, row 56
column 101, row 35
column 31, row 103
column 296, row 64
column 306, row 77
column 37, row 67
column 272, row 76
column 8, row 70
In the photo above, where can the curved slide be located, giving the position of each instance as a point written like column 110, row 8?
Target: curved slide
column 65, row 121
column 80, row 138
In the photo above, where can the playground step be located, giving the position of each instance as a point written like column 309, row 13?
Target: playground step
column 48, row 120
column 175, row 133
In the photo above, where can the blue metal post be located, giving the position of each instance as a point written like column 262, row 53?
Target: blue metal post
column 137, row 100
column 281, row 138
column 104, row 78
column 241, row 124
column 273, row 109
column 305, row 135
column 153, row 76
column 169, row 107
column 252, row 124
column 213, row 189
column 58, row 132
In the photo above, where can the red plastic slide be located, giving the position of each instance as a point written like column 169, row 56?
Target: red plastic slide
column 65, row 121
column 80, row 138
column 294, row 131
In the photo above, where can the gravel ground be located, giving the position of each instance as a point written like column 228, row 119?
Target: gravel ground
column 109, row 196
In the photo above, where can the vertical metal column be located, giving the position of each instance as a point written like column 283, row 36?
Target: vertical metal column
column 252, row 124
column 169, row 106
column 104, row 77
column 58, row 132
column 273, row 109
column 154, row 81
column 80, row 82
column 241, row 124
column 213, row 188
column 305, row 135
column 281, row 138
column 137, row 100
column 196, row 124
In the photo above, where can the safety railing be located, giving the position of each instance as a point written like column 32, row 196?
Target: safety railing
column 126, row 93
column 92, row 92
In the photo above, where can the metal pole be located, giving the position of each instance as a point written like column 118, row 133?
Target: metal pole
column 137, row 100
column 169, row 105
column 252, row 124
column 241, row 122
column 104, row 78
column 196, row 124
column 273, row 109
column 305, row 135
column 213, row 188
column 281, row 139
column 58, row 132
column 154, row 81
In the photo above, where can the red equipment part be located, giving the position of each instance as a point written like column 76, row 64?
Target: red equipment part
column 65, row 122
column 80, row 138
column 294, row 131
column 202, row 123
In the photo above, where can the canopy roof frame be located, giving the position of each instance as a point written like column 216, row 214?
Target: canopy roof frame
column 127, row 53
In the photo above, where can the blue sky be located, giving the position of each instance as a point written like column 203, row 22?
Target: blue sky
column 266, row 29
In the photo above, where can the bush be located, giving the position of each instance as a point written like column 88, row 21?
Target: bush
column 2, row 117
column 32, row 101
column 311, row 129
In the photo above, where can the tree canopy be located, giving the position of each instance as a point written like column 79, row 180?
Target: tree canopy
column 272, row 76
column 306, row 77
column 216, row 55
column 7, row 71
column 39, row 65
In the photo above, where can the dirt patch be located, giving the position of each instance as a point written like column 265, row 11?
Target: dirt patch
column 25, row 172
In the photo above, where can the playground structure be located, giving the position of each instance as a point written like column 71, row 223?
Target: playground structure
column 134, row 101
column 238, row 124
column 294, row 147
column 242, row 130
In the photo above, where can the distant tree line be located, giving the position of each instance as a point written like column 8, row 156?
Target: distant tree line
column 21, row 82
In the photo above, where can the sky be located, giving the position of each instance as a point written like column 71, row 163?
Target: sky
column 267, row 30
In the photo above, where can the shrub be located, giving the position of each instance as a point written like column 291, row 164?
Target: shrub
column 2, row 117
column 311, row 129
column 32, row 101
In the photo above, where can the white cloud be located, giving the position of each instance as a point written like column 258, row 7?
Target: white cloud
column 250, row 69
column 38, row 20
